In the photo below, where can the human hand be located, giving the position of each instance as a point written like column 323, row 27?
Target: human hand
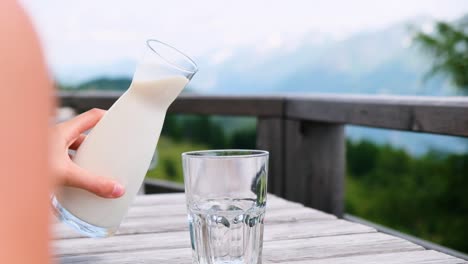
column 69, row 135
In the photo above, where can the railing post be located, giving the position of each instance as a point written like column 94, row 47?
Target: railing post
column 315, row 164
column 270, row 137
column 307, row 161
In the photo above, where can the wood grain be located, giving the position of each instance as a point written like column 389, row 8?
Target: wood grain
column 414, row 257
column 440, row 115
column 167, row 223
column 284, row 251
column 334, row 246
column 182, row 256
column 185, row 103
column 179, row 198
column 178, row 223
column 273, row 232
column 315, row 165
column 293, row 234
column 270, row 137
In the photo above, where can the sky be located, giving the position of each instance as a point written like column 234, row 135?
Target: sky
column 89, row 32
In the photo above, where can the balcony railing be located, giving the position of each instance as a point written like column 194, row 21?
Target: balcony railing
column 305, row 133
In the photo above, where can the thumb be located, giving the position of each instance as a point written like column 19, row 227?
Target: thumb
column 101, row 186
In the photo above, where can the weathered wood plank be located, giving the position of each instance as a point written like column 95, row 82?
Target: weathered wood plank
column 182, row 256
column 270, row 137
column 166, row 256
column 292, row 235
column 228, row 105
column 185, row 103
column 89, row 246
column 282, row 251
column 334, row 246
column 181, row 209
column 298, row 230
column 273, row 232
column 164, row 223
column 419, row 241
column 160, row 205
column 156, row 199
column 315, row 165
column 179, row 198
column 414, row 257
column 441, row 115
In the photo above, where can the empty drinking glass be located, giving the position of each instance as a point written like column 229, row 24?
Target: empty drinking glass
column 226, row 198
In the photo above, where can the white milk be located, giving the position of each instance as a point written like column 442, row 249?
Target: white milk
column 121, row 146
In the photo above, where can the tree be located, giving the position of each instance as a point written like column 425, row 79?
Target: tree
column 244, row 138
column 172, row 128
column 448, row 45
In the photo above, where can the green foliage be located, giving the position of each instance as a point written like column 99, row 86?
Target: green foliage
column 202, row 129
column 448, row 45
column 169, row 166
column 102, row 84
column 244, row 138
column 424, row 196
column 198, row 129
column 209, row 131
column 172, row 128
column 365, row 160
column 187, row 133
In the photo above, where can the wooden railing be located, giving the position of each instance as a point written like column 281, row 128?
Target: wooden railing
column 305, row 133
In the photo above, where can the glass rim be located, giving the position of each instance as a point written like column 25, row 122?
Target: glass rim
column 239, row 153
column 172, row 64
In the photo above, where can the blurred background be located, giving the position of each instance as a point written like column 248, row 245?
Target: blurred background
column 415, row 183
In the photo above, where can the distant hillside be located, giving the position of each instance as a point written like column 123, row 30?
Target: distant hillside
column 376, row 62
column 102, row 84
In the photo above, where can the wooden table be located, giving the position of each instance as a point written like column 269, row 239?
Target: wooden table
column 156, row 231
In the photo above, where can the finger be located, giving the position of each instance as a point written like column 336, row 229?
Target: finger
column 73, row 128
column 101, row 186
column 76, row 144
